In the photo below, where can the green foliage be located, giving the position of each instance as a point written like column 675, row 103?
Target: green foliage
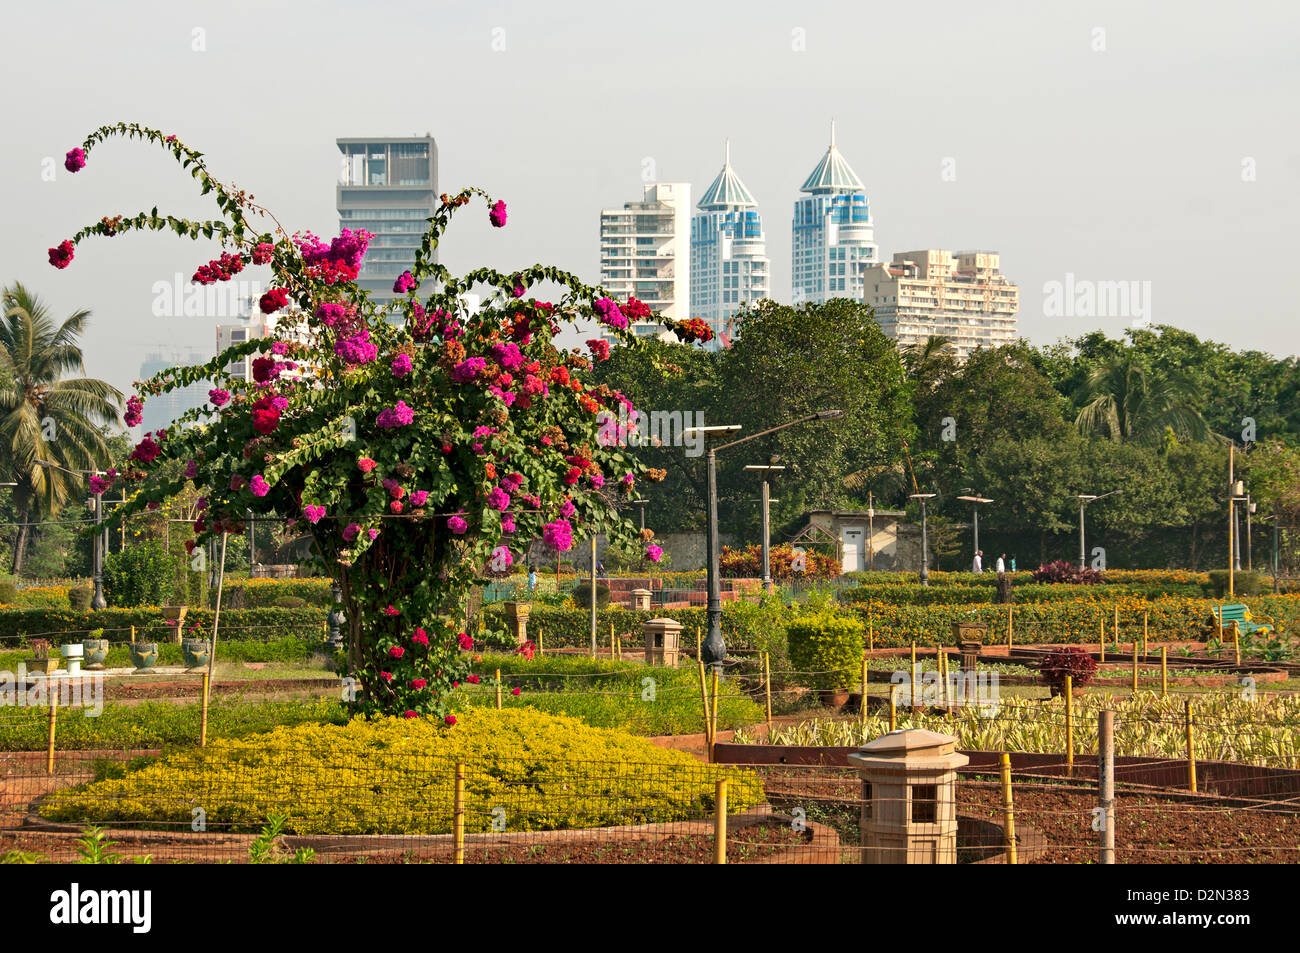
column 826, row 650
column 235, row 623
column 79, row 598
column 1244, row 583
column 8, row 590
column 140, row 575
column 290, row 602
column 582, row 596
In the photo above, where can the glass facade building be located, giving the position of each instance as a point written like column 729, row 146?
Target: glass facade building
column 389, row 187
column 832, row 235
column 729, row 263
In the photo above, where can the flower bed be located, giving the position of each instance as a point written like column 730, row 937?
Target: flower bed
column 395, row 776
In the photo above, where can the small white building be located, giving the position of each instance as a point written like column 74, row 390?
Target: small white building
column 865, row 540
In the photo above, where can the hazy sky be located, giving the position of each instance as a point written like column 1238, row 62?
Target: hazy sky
column 1112, row 141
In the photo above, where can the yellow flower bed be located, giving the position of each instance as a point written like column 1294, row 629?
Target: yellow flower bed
column 524, row 770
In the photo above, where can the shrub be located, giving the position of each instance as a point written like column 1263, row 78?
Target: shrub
column 8, row 590
column 1069, row 661
column 582, row 596
column 139, row 576
column 1244, row 583
column 79, row 598
column 289, row 602
column 748, row 562
column 826, row 650
column 396, row 776
column 1061, row 571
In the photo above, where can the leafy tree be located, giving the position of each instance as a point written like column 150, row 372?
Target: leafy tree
column 47, row 417
column 1126, row 401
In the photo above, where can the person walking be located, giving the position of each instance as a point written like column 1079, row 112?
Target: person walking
column 978, row 565
column 1013, row 562
column 532, row 578
column 1002, row 563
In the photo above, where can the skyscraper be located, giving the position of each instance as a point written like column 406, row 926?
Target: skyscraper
column 161, row 410
column 729, row 264
column 645, row 251
column 832, row 236
column 389, row 187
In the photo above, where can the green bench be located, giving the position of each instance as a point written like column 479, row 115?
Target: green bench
column 1238, row 615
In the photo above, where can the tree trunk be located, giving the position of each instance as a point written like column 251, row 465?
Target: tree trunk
column 20, row 544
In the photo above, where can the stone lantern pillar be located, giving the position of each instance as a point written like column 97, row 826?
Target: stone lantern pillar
column 970, row 637
column 517, row 619
column 909, row 797
column 662, row 641
column 640, row 599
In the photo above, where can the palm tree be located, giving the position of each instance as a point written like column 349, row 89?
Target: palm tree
column 1125, row 401
column 45, row 417
column 929, row 363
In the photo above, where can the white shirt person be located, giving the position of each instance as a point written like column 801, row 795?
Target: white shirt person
column 978, row 565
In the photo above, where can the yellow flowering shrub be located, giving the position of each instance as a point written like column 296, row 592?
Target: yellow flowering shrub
column 524, row 769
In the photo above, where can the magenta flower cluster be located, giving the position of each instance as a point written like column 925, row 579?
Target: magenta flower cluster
column 558, row 535
column 398, row 416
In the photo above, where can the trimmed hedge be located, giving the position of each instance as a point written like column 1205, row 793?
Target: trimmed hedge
column 826, row 650
column 263, row 593
column 1027, row 592
column 253, row 624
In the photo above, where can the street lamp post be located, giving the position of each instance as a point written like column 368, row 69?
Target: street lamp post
column 925, row 537
column 975, row 502
column 714, row 648
column 100, row 544
column 1084, row 500
column 765, row 469
column 642, row 504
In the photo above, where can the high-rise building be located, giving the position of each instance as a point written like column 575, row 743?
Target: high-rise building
column 832, row 235
column 645, row 252
column 729, row 264
column 963, row 297
column 389, row 187
column 161, row 410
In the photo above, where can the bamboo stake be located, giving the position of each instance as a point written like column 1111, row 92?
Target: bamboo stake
column 203, row 715
column 862, row 704
column 1116, row 628
column 1145, row 619
column 713, row 716
column 498, row 689
column 938, row 667
column 458, row 816
column 871, row 626
column 704, row 700
column 1010, row 612
column 767, row 683
column 1135, row 666
column 1069, row 725
column 893, row 707
column 1191, row 748
column 1236, row 644
column 1164, row 671
column 912, row 698
column 54, row 715
column 216, row 615
column 720, row 825
column 1101, row 638
column 133, row 635
column 1008, row 810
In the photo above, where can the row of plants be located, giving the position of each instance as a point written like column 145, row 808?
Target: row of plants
column 1028, row 592
column 1265, row 731
column 286, row 650
column 1155, row 577
column 608, row 694
column 532, row 770
column 68, row 624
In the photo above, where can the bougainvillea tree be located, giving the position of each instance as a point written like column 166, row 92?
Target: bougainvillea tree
column 420, row 443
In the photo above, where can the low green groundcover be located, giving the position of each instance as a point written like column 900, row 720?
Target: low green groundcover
column 524, row 770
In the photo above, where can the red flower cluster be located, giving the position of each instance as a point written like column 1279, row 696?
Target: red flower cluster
column 219, row 269
column 273, row 300
column 599, row 348
column 636, row 310
column 262, row 253
column 266, row 416
column 692, row 330
column 61, row 257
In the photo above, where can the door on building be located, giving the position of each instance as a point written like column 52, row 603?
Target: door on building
column 851, row 542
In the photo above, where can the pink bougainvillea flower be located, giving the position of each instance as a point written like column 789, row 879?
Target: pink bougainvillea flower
column 498, row 499
column 457, row 525
column 468, row 369
column 507, row 523
column 134, row 411
column 567, row 508
column 259, row 486
column 404, row 283
column 465, row 641
column 409, row 714
column 558, row 535
column 421, row 637
column 501, row 557
column 262, row 253
column 418, row 683
column 497, row 214
column 514, row 691
column 75, row 160
column 396, row 416
column 61, row 255
column 386, row 676
column 371, row 534
column 365, row 464
column 401, row 365
column 449, row 719
column 391, row 610
column 350, row 532
column 146, row 451
column 219, row 397
column 191, row 469
column 654, row 553
column 607, row 312
column 396, row 506
column 313, row 513
column 419, row 497
column 396, row 652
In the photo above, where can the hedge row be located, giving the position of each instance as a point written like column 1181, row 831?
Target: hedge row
column 1029, row 592
column 60, row 625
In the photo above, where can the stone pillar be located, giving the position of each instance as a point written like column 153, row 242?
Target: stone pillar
column 641, row 599
column 662, row 641
column 970, row 636
column 909, row 797
column 517, row 619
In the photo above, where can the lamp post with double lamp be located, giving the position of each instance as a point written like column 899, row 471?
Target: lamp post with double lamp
column 925, row 536
column 97, row 601
column 715, row 649
column 975, row 502
column 642, row 504
column 1084, row 500
column 765, row 469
